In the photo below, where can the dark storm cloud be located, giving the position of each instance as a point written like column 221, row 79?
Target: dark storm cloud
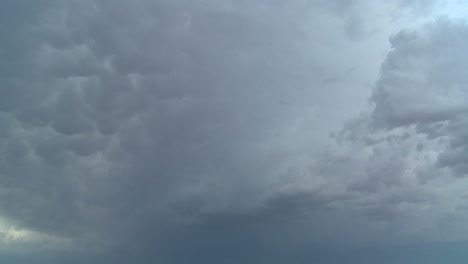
column 114, row 116
column 153, row 128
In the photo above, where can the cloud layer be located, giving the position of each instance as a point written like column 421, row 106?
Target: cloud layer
column 157, row 127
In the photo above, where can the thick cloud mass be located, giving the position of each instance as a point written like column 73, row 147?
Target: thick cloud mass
column 228, row 130
column 424, row 86
column 415, row 132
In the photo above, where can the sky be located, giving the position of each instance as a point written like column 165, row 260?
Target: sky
column 235, row 131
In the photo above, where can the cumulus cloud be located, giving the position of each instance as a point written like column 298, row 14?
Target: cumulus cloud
column 412, row 140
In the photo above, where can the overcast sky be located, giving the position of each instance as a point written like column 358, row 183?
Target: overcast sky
column 233, row 131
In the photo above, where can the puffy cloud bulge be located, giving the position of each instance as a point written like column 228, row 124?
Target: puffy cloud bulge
column 165, row 126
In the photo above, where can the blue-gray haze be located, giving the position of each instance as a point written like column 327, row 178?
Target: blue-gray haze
column 233, row 131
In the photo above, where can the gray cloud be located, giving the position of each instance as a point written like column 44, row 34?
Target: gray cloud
column 423, row 85
column 152, row 128
column 409, row 146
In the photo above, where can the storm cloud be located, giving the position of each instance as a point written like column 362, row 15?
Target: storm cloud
column 231, row 131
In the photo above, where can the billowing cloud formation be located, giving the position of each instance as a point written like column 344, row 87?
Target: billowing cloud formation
column 160, row 127
column 427, row 90
column 414, row 136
